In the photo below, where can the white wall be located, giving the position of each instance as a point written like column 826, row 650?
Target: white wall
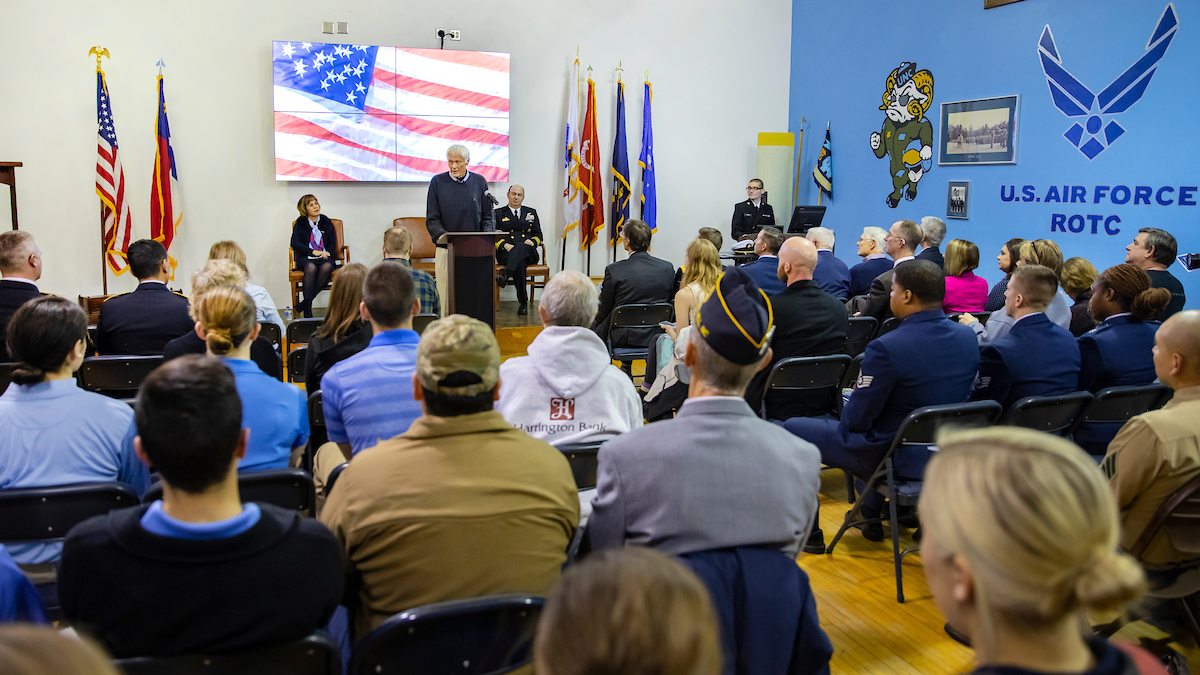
column 720, row 74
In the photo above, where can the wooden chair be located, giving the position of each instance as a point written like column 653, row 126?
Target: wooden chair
column 316, row 654
column 423, row 248
column 536, row 276
column 296, row 277
column 91, row 307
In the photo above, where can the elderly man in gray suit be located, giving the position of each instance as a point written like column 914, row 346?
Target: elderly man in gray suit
column 716, row 476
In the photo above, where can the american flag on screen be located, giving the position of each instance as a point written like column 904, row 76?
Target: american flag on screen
column 110, row 183
column 363, row 113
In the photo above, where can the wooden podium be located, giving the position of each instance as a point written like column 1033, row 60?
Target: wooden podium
column 471, row 264
column 8, row 176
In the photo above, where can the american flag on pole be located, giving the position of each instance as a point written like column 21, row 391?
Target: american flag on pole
column 362, row 113
column 166, row 212
column 110, row 182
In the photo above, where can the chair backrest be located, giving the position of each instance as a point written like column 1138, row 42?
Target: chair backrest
column 641, row 315
column 333, row 477
column 45, row 513
column 422, row 321
column 91, row 307
column 889, row 324
column 422, row 243
column 285, row 488
column 338, row 227
column 852, row 372
column 300, row 331
column 316, row 412
column 1118, row 404
column 800, row 373
column 859, row 331
column 271, row 333
column 296, row 360
column 1051, row 414
column 922, row 425
column 6, row 375
column 117, row 376
column 583, row 460
column 316, row 654
column 482, row 635
column 1182, row 508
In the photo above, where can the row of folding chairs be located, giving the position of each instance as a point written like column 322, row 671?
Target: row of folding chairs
column 301, row 331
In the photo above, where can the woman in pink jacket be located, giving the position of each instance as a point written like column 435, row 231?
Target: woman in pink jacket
column 965, row 292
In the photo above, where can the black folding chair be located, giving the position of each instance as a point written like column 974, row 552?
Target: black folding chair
column 859, row 331
column 852, row 372
column 635, row 316
column 889, row 324
column 116, row 376
column 480, row 636
column 300, row 331
column 333, row 477
column 919, row 428
column 807, row 373
column 6, row 375
column 422, row 321
column 285, row 488
column 317, row 435
column 1182, row 511
column 1056, row 415
column 1119, row 404
column 271, row 333
column 316, row 654
column 296, row 361
column 584, row 463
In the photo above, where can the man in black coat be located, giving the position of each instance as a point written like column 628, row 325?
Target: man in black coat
column 21, row 265
column 640, row 279
column 144, row 321
column 519, row 247
column 808, row 322
column 750, row 216
column 458, row 201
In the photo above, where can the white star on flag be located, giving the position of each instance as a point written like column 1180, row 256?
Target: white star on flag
column 351, row 97
column 300, row 67
column 288, row 49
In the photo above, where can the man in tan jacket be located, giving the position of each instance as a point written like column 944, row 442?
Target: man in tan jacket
column 462, row 504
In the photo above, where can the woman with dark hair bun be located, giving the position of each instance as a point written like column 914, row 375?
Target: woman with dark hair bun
column 51, row 431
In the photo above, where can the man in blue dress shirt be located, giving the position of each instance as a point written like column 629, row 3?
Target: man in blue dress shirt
column 831, row 275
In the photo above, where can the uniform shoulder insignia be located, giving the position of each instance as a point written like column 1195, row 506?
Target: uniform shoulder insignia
column 115, row 295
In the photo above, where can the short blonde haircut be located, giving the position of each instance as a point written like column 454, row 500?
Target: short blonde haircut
column 1078, row 275
column 962, row 256
column 229, row 250
column 227, row 317
column 1036, row 523
column 216, row 273
column 397, row 240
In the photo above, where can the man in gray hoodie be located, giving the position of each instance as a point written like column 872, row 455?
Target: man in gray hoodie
column 567, row 390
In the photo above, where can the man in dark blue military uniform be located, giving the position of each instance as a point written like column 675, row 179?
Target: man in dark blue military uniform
column 750, row 216
column 926, row 360
column 519, row 247
column 144, row 321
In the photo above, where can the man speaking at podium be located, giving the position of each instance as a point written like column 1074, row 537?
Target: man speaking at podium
column 750, row 216
column 458, row 201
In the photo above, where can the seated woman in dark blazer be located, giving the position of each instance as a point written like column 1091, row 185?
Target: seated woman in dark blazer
column 344, row 333
column 315, row 246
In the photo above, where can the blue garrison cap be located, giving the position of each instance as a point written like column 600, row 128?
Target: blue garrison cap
column 737, row 320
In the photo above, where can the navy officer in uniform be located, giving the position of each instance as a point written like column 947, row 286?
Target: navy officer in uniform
column 750, row 216
column 519, row 247
column 144, row 321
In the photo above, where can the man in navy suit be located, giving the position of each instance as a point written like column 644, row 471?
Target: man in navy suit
column 926, row 360
column 831, row 275
column 21, row 265
column 765, row 270
column 934, row 230
column 875, row 261
column 639, row 279
column 1037, row 357
column 519, row 247
column 144, row 321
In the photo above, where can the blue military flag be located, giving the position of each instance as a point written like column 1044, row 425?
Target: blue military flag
column 620, row 171
column 646, row 161
column 823, row 171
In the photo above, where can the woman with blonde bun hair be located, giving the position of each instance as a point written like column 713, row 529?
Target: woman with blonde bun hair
column 276, row 413
column 1020, row 542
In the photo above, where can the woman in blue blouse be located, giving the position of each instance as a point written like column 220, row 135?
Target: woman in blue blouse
column 314, row 246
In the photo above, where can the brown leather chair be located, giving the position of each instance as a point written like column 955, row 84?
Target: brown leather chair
column 296, row 277
column 422, row 244
column 537, row 275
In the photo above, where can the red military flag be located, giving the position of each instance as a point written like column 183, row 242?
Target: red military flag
column 590, row 187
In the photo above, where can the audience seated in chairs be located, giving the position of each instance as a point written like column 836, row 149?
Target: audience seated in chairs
column 926, row 360
column 38, row 650
column 344, row 332
column 900, row 244
column 1078, row 275
column 1037, row 252
column 567, row 390
column 633, row 611
column 397, row 248
column 198, row 570
column 718, row 476
column 1036, row 357
column 1157, row 452
column 831, row 274
column 763, row 270
column 875, row 261
column 54, row 432
column 264, row 304
column 462, row 504
column 369, row 396
column 276, row 413
column 808, row 322
column 1020, row 543
column 141, row 323
column 1119, row 351
column 315, row 247
column 21, row 267
column 639, row 279
column 1006, row 262
column 221, row 273
column 965, row 292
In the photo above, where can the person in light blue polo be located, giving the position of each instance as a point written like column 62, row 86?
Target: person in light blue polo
column 369, row 397
column 276, row 413
column 51, row 431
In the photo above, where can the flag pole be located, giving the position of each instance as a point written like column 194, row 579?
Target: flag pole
column 799, row 155
column 102, row 52
column 620, row 73
column 581, row 205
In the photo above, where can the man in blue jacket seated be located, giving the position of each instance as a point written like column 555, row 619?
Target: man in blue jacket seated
column 765, row 270
column 198, row 571
column 926, row 360
column 831, row 274
column 1037, row 357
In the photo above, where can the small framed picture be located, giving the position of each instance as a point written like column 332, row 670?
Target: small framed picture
column 958, row 196
column 982, row 131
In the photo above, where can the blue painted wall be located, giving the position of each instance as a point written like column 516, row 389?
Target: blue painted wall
column 843, row 51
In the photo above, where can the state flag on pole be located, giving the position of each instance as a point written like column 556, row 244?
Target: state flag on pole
column 591, row 191
column 571, row 155
column 166, row 212
column 823, row 171
column 620, row 171
column 646, row 161
column 110, row 182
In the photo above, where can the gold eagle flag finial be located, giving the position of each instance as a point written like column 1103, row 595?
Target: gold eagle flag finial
column 100, row 53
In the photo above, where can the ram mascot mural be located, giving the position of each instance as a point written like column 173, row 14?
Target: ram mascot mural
column 907, row 135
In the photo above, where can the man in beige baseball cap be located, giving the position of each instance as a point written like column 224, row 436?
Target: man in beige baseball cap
column 462, row 504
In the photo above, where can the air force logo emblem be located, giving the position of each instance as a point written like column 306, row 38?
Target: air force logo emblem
column 1095, row 128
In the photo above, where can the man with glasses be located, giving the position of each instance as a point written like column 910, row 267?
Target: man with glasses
column 750, row 216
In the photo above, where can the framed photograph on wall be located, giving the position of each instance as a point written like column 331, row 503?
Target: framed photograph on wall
column 983, row 131
column 958, row 199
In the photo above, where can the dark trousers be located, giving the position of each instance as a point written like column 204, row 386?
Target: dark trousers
column 515, row 261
